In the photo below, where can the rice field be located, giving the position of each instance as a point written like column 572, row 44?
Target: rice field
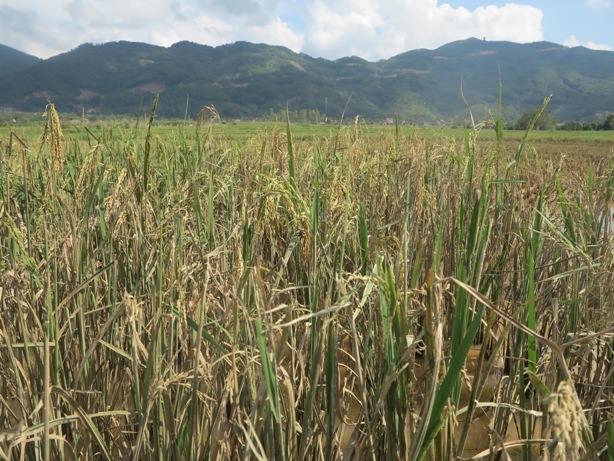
column 185, row 294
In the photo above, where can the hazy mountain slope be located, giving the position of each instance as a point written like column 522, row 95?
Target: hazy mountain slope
column 12, row 60
column 248, row 80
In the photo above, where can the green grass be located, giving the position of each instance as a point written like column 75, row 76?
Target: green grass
column 257, row 291
column 243, row 130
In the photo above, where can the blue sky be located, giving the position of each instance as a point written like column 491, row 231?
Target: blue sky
column 372, row 29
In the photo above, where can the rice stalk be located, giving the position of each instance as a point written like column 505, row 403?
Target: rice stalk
column 358, row 308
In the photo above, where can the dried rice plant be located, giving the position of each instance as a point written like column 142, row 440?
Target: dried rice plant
column 53, row 137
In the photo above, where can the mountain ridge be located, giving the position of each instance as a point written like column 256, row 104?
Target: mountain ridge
column 245, row 79
column 13, row 60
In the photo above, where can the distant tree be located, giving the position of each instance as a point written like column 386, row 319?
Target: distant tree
column 314, row 116
column 571, row 126
column 608, row 124
column 546, row 121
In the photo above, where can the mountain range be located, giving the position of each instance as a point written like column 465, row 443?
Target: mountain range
column 250, row 80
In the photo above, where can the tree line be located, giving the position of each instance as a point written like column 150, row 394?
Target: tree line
column 297, row 116
column 548, row 121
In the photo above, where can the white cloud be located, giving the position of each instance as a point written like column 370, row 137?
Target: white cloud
column 572, row 41
column 372, row 29
column 257, row 12
column 599, row 3
column 55, row 26
column 275, row 32
column 379, row 29
column 343, row 28
column 31, row 28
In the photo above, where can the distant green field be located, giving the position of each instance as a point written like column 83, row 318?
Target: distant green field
column 251, row 129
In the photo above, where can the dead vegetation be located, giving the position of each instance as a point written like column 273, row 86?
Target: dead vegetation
column 349, row 297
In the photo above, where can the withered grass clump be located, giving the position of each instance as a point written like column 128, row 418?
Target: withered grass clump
column 189, row 296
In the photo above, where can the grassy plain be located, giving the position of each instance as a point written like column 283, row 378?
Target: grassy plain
column 288, row 292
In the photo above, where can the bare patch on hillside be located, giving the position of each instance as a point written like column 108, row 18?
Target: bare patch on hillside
column 414, row 71
column 47, row 94
column 485, row 53
column 152, row 88
column 408, row 72
column 86, row 95
column 297, row 66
